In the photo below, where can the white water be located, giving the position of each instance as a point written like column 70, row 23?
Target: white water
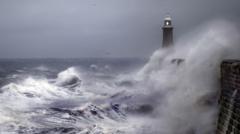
column 188, row 91
column 180, row 99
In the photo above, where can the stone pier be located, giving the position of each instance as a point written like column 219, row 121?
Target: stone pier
column 229, row 101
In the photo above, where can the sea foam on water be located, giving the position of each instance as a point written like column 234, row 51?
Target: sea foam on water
column 174, row 93
column 189, row 89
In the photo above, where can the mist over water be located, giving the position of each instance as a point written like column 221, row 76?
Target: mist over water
column 189, row 86
column 175, row 92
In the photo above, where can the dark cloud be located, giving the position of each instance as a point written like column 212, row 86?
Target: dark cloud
column 99, row 28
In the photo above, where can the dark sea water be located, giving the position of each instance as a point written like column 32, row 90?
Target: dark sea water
column 175, row 92
column 73, row 96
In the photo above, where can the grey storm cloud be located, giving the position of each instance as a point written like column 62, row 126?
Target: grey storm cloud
column 99, row 28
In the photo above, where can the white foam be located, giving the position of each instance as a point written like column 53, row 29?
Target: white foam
column 187, row 88
column 179, row 94
column 69, row 76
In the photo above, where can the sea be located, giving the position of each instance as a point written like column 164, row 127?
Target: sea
column 175, row 91
column 72, row 96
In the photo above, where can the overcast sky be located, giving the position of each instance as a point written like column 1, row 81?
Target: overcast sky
column 99, row 28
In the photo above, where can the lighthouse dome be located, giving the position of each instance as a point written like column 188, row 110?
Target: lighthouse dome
column 168, row 17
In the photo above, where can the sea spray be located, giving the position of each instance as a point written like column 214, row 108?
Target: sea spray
column 174, row 93
column 188, row 102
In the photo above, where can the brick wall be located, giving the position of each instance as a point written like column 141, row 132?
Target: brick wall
column 229, row 101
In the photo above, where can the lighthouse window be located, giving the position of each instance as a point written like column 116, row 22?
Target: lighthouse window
column 167, row 23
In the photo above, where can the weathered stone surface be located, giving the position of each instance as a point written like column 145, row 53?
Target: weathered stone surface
column 229, row 101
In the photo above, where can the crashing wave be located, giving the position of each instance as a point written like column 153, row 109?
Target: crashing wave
column 166, row 96
column 69, row 78
column 31, row 87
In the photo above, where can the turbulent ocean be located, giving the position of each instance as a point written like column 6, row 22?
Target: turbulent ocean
column 175, row 91
column 66, row 95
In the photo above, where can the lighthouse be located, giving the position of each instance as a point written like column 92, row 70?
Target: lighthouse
column 167, row 32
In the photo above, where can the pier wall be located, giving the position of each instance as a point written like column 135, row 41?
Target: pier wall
column 229, row 101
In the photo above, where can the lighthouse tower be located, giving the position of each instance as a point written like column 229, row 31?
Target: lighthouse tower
column 167, row 32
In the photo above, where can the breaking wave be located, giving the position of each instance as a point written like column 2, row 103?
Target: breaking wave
column 69, row 78
column 174, row 93
column 187, row 78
